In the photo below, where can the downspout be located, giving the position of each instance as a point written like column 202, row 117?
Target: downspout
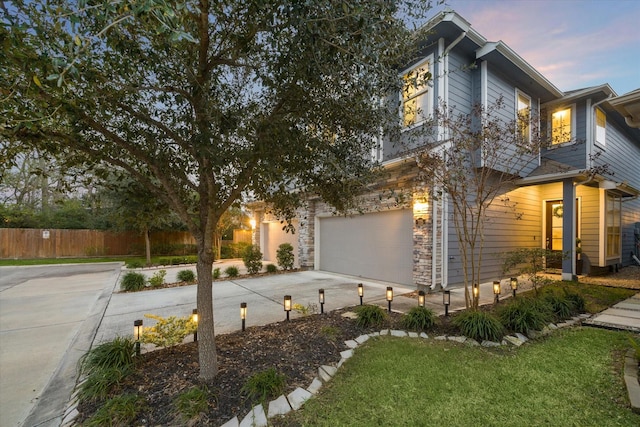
column 444, row 224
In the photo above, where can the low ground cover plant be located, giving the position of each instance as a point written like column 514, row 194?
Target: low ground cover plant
column 525, row 314
column 271, row 268
column 192, row 402
column 157, row 279
column 479, row 325
column 419, row 319
column 169, row 331
column 231, row 271
column 265, row 385
column 117, row 411
column 369, row 315
column 132, row 282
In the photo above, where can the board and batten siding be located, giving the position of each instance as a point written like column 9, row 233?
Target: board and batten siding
column 510, row 225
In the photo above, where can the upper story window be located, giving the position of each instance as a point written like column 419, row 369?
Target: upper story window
column 601, row 125
column 523, row 115
column 562, row 127
column 416, row 96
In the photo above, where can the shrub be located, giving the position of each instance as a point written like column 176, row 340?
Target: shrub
column 118, row 353
column 168, row 332
column 216, row 273
column 525, row 314
column 562, row 307
column 271, row 268
column 264, row 385
column 132, row 282
column 285, row 256
column 252, row 258
column 157, row 279
column 231, row 271
column 192, row 402
column 369, row 315
column 186, row 276
column 419, row 319
column 579, row 303
column 479, row 325
column 119, row 411
column 134, row 264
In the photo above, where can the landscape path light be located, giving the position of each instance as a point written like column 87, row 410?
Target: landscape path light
column 514, row 285
column 137, row 332
column 360, row 292
column 421, row 297
column 287, row 305
column 194, row 317
column 389, row 296
column 321, row 300
column 243, row 313
column 446, row 300
column 476, row 291
column 496, row 291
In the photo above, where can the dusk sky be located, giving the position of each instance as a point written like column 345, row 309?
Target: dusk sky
column 573, row 43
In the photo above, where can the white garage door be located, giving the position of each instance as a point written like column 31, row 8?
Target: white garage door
column 375, row 246
column 274, row 236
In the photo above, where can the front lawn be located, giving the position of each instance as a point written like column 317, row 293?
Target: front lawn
column 571, row 378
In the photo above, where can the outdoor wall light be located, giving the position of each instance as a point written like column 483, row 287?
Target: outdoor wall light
column 476, row 291
column 496, row 291
column 360, row 292
column 137, row 332
column 243, row 313
column 389, row 296
column 252, row 223
column 194, row 317
column 514, row 285
column 421, row 297
column 287, row 305
column 446, row 300
column 321, row 300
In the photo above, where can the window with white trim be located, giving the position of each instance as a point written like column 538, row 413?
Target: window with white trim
column 417, row 97
column 612, row 223
column 562, row 126
column 601, row 125
column 523, row 115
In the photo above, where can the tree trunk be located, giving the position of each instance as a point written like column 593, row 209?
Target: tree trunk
column 147, row 244
column 206, row 335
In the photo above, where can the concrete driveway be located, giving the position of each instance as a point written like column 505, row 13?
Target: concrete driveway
column 43, row 331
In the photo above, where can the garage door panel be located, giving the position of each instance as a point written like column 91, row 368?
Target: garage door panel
column 377, row 245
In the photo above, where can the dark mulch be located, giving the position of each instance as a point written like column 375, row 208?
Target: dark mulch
column 295, row 348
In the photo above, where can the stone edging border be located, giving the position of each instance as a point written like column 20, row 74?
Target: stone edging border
column 257, row 417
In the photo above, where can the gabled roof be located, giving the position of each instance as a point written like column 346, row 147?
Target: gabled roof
column 628, row 105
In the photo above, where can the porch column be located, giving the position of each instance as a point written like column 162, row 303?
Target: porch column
column 569, row 229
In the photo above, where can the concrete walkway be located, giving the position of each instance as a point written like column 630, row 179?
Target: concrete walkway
column 625, row 315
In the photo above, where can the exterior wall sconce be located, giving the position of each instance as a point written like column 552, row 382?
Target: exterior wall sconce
column 476, row 291
column 514, row 285
column 420, row 210
column 321, row 300
column 496, row 291
column 137, row 332
column 360, row 292
column 446, row 300
column 287, row 305
column 194, row 317
column 243, row 314
column 421, row 297
column 389, row 296
column 252, row 223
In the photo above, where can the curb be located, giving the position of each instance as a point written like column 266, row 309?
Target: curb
column 631, row 380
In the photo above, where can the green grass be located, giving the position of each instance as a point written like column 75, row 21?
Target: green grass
column 597, row 298
column 565, row 380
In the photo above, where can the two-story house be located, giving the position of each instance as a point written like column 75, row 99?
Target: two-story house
column 579, row 196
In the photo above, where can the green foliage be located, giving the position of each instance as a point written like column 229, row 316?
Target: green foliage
column 370, row 315
column 579, row 303
column 305, row 311
column 192, row 402
column 231, row 271
column 119, row 411
column 101, row 381
column 561, row 306
column 157, row 279
column 285, row 256
column 479, row 325
column 252, row 258
column 216, row 273
column 132, row 282
column 271, row 268
column 233, row 250
column 264, row 385
column 530, row 262
column 636, row 345
column 118, row 353
column 331, row 332
column 419, row 319
column 525, row 314
column 186, row 276
column 134, row 264
column 168, row 331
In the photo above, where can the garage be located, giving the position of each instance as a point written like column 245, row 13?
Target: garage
column 373, row 246
column 273, row 236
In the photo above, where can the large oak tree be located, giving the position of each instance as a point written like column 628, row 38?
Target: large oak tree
column 202, row 101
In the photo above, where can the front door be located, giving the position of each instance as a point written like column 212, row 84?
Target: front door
column 554, row 213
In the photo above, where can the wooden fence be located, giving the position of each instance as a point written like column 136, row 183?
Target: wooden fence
column 26, row 243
